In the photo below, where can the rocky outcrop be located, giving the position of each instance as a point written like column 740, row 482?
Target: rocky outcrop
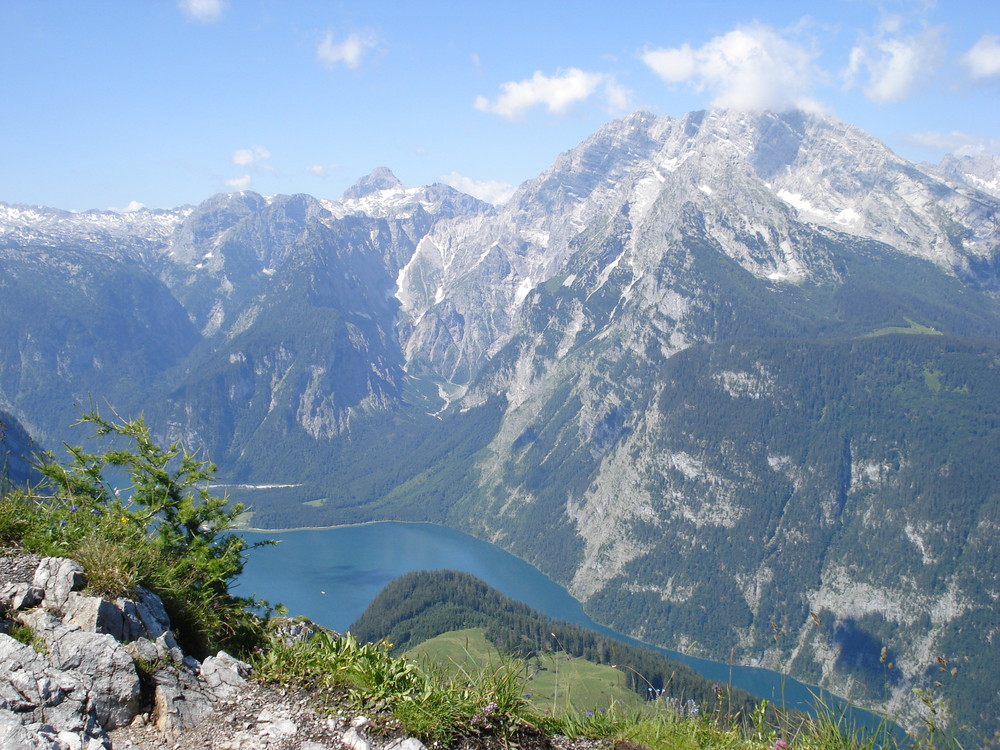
column 77, row 684
column 78, row 677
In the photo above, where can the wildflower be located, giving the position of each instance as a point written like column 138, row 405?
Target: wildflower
column 780, row 745
column 63, row 522
column 96, row 511
column 73, row 509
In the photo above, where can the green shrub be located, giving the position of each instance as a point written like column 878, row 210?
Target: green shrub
column 19, row 520
column 164, row 531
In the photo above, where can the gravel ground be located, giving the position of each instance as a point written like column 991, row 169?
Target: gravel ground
column 267, row 718
column 16, row 566
column 260, row 717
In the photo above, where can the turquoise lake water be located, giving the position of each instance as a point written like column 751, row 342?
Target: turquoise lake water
column 331, row 575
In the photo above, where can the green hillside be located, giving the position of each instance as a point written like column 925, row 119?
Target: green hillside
column 419, row 606
column 554, row 681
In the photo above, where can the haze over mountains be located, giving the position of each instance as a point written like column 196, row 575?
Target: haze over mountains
column 731, row 378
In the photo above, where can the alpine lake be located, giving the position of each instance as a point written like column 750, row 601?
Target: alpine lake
column 330, row 575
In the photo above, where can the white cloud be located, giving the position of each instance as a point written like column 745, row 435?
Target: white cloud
column 673, row 65
column 349, row 51
column 239, row 183
column 132, row 206
column 557, row 93
column 203, row 11
column 322, row 170
column 752, row 67
column 895, row 63
column 956, row 142
column 491, row 191
column 983, row 59
column 254, row 157
column 617, row 96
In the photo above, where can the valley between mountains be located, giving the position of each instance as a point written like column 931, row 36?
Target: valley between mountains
column 731, row 378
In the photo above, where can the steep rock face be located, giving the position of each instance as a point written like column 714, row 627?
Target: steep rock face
column 294, row 299
column 295, row 320
column 778, row 501
column 755, row 182
column 466, row 278
column 981, row 171
column 379, row 179
column 818, row 523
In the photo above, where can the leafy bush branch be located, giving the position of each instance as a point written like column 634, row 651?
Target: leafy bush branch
column 163, row 529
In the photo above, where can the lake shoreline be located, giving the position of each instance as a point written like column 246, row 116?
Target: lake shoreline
column 332, row 573
column 344, row 526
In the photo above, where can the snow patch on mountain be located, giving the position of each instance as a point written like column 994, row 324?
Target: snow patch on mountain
column 98, row 230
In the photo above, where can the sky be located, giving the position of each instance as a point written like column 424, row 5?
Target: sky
column 118, row 104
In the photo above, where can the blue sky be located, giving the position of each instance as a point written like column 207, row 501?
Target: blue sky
column 116, row 103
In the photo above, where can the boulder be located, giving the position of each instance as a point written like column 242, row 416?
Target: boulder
column 57, row 577
column 168, row 644
column 115, row 691
column 151, row 613
column 291, row 630
column 47, row 705
column 18, row 596
column 87, row 682
column 179, row 702
column 271, row 724
column 97, row 615
column 223, row 676
column 125, row 619
column 16, row 736
column 354, row 741
column 145, row 650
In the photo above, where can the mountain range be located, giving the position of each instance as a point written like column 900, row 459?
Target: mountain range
column 731, row 378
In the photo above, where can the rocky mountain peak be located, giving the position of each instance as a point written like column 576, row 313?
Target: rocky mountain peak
column 981, row 171
column 380, row 178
